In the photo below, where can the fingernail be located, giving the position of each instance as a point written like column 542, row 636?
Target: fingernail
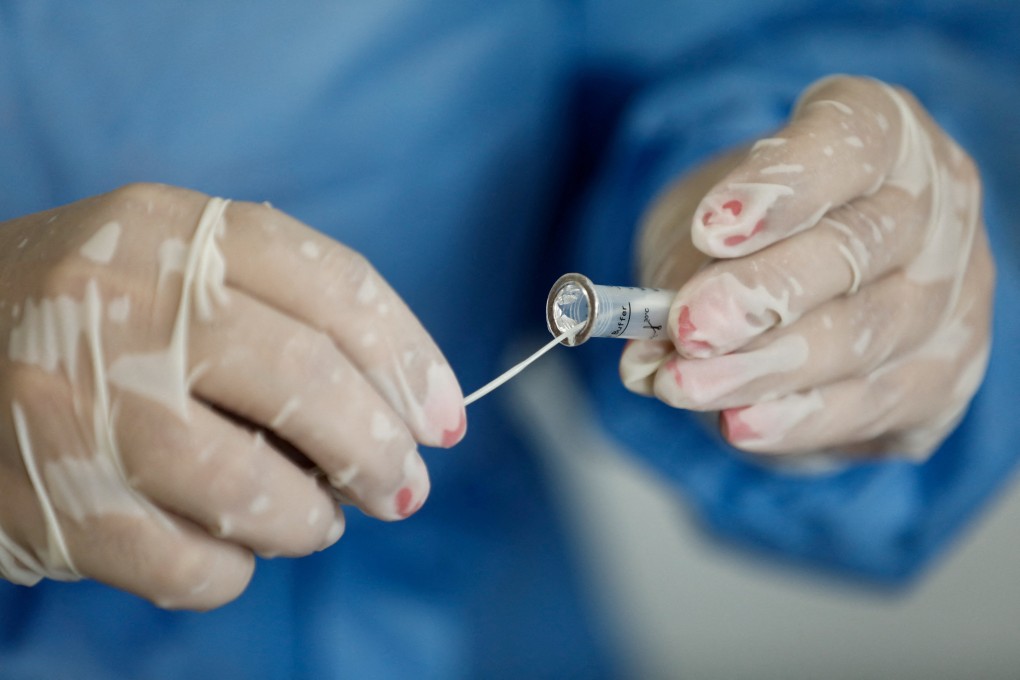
column 726, row 219
column 424, row 392
column 443, row 407
column 410, row 497
column 404, row 498
column 452, row 437
column 687, row 336
column 766, row 425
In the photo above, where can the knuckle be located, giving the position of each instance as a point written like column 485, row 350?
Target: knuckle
column 136, row 193
column 354, row 280
column 310, row 539
column 166, row 439
column 841, row 85
column 924, row 303
column 232, row 479
column 352, row 267
column 880, row 310
column 309, row 354
column 854, row 226
column 65, row 274
column 147, row 197
column 64, row 271
column 264, row 214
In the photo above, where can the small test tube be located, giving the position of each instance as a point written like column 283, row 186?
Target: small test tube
column 606, row 311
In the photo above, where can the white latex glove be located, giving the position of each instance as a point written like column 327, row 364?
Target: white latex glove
column 150, row 337
column 848, row 307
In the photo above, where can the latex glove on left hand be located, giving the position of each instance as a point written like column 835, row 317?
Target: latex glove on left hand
column 848, row 304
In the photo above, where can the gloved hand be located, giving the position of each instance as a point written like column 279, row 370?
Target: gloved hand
column 835, row 283
column 162, row 351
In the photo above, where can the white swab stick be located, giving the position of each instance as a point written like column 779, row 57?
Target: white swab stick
column 482, row 391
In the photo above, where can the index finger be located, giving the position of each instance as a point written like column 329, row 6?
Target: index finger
column 847, row 137
column 331, row 288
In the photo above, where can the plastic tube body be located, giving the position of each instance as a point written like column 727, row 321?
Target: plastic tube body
column 606, row 311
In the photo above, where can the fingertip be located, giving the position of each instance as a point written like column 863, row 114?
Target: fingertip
column 411, row 492
column 453, row 436
column 772, row 428
column 407, row 503
column 403, row 501
column 639, row 362
column 668, row 384
column 441, row 420
column 734, row 429
column 732, row 219
column 410, row 497
column 335, row 532
column 689, row 341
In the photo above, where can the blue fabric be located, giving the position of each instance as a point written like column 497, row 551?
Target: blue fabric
column 450, row 141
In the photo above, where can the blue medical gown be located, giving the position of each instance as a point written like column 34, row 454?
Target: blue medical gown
column 473, row 151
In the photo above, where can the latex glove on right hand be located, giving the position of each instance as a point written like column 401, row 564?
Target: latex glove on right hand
column 835, row 283
column 150, row 336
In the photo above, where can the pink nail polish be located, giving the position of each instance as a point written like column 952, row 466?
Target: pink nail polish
column 739, row 238
column 403, row 499
column 734, row 429
column 674, row 368
column 686, row 328
column 451, row 437
column 734, row 207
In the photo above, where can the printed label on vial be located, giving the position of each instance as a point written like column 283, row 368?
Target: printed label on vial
column 650, row 304
column 622, row 321
column 649, row 326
